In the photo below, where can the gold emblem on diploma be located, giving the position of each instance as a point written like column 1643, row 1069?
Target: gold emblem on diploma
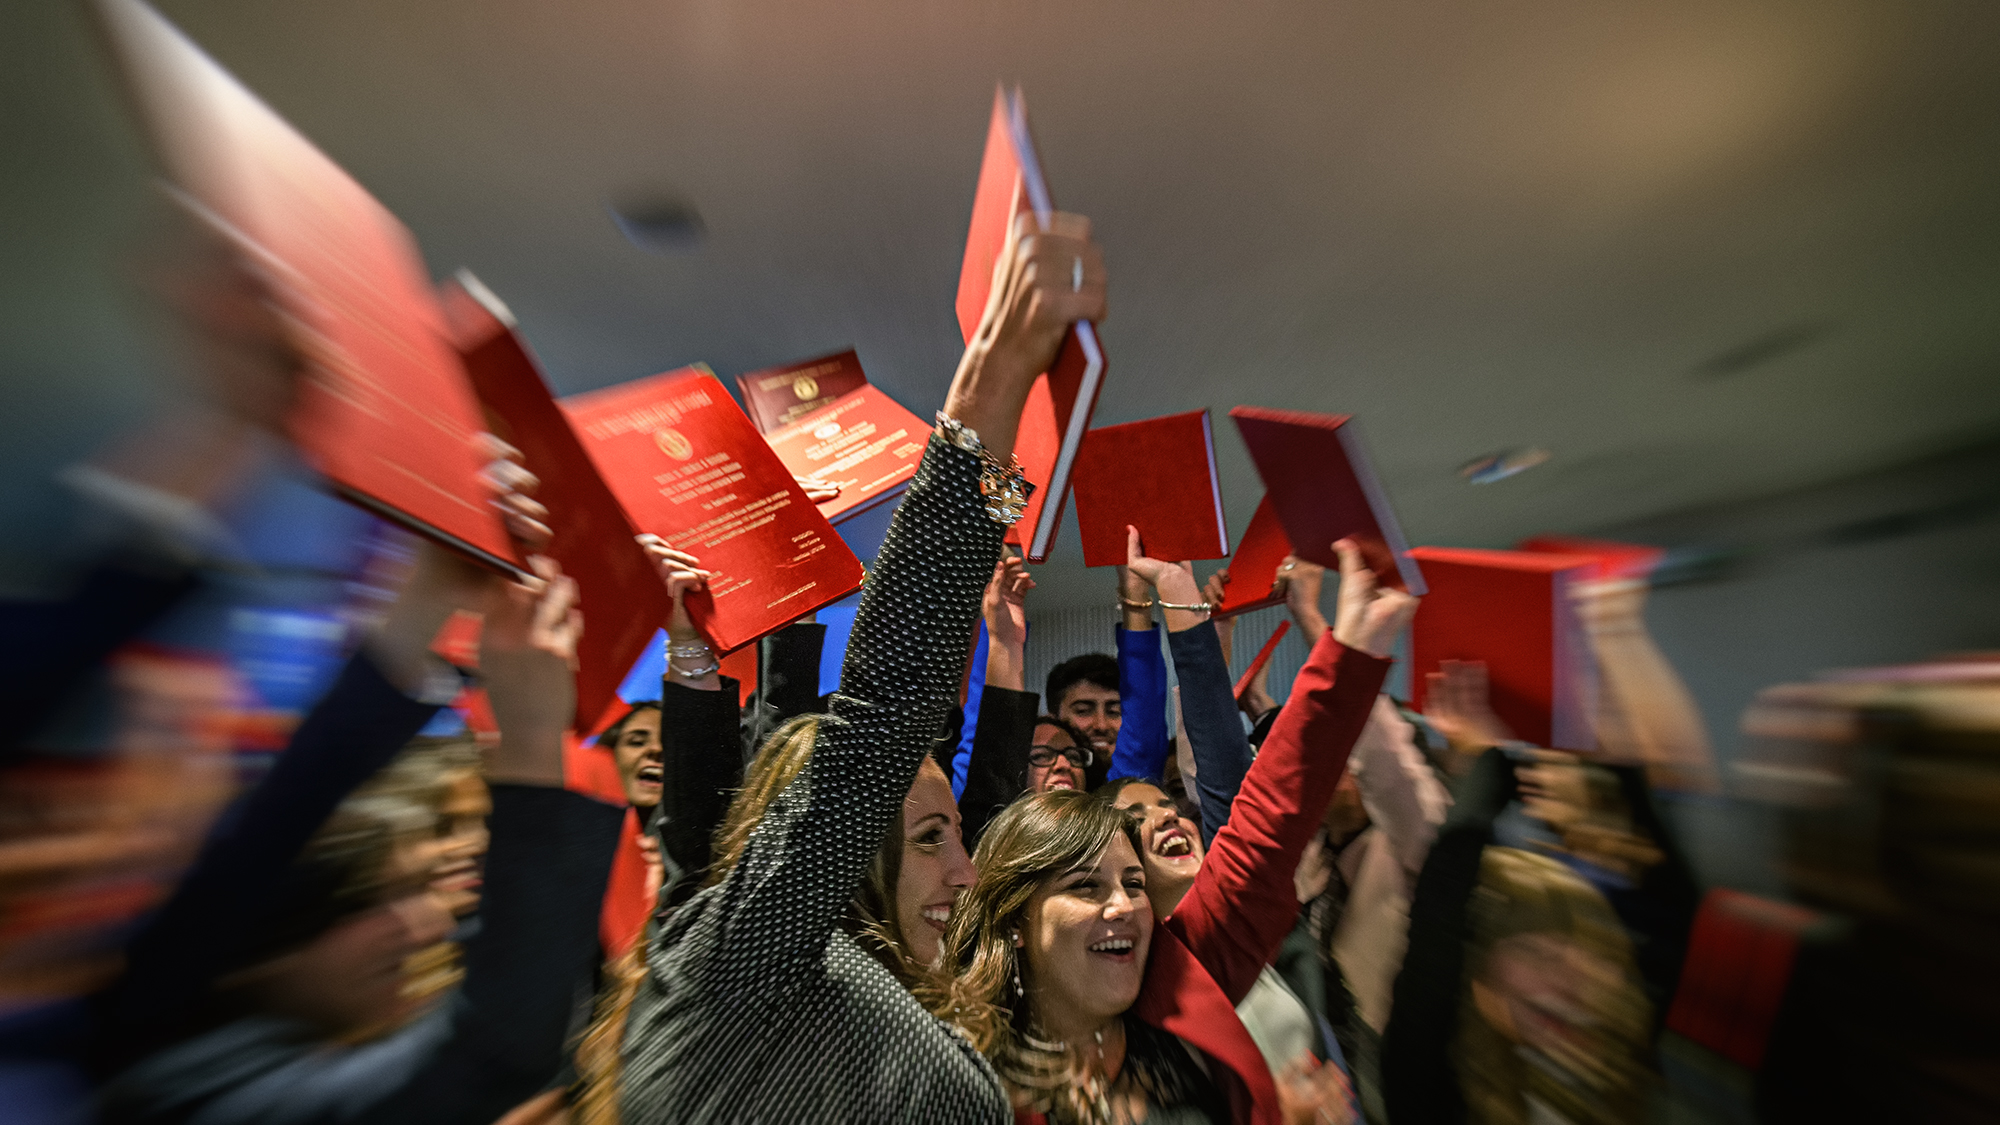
column 673, row 444
column 806, row 387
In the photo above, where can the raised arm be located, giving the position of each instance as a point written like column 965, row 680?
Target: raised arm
column 387, row 692
column 545, row 877
column 1141, row 749
column 1208, row 700
column 800, row 865
column 1005, row 732
column 1243, row 903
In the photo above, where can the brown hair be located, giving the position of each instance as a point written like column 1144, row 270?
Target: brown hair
column 609, row 738
column 1033, row 840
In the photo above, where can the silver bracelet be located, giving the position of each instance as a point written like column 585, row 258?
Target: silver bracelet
column 714, row 666
column 689, row 648
column 1198, row 607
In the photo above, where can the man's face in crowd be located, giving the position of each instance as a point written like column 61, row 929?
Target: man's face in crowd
column 1094, row 711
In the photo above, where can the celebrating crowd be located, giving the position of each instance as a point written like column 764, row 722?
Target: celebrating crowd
column 1334, row 910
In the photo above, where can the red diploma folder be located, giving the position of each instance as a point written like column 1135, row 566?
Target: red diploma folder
column 1263, row 658
column 1511, row 610
column 688, row 466
column 1061, row 401
column 623, row 599
column 1158, row 476
column 1253, row 569
column 864, row 441
column 1614, row 559
column 383, row 410
column 1318, row 479
column 778, row 396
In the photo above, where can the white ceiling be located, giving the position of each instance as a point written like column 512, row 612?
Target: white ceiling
column 1474, row 225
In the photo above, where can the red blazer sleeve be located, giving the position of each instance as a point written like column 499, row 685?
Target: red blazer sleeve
column 1242, row 904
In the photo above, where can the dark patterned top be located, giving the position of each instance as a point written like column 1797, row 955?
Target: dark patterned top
column 757, row 1007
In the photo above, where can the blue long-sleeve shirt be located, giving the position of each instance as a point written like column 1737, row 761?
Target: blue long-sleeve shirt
column 1141, row 750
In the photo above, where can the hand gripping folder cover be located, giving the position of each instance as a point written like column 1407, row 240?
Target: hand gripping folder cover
column 1253, row 569
column 688, row 466
column 1061, row 401
column 1158, row 476
column 1511, row 611
column 383, row 410
column 621, row 595
column 1318, row 480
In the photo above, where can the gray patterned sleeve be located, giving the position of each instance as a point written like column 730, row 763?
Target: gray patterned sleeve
column 802, row 863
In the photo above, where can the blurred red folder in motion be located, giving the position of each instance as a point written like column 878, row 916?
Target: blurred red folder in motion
column 1157, row 475
column 1318, row 479
column 778, row 396
column 1263, row 657
column 1061, row 401
column 620, row 593
column 1253, row 569
column 1614, row 559
column 688, row 466
column 863, row 441
column 1511, row 611
column 382, row 410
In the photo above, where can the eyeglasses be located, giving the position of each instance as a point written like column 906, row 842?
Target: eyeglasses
column 1042, row 757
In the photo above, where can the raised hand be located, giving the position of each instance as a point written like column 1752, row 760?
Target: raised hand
column 683, row 575
column 1046, row 279
column 527, row 658
column 1005, row 605
column 1368, row 617
column 1173, row 581
column 690, row 658
column 443, row 582
column 1457, row 706
column 1213, row 592
column 1301, row 581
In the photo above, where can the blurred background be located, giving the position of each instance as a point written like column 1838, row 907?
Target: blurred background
column 1734, row 267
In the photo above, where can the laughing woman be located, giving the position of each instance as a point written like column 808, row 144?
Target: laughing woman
column 1094, row 1010
column 759, row 1005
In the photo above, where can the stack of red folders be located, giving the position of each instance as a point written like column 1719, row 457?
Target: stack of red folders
column 1511, row 611
column 688, row 466
column 385, row 414
column 1318, row 479
column 620, row 593
column 1061, row 401
column 1158, row 476
column 1253, row 569
column 778, row 396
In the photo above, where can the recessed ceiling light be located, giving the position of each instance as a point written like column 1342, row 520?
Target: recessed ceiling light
column 659, row 224
column 1501, row 465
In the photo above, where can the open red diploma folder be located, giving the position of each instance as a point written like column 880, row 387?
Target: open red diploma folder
column 383, row 411
column 688, row 466
column 1253, row 569
column 1157, row 475
column 1061, row 401
column 863, row 441
column 1511, row 610
column 621, row 595
column 1318, row 479
column 778, row 396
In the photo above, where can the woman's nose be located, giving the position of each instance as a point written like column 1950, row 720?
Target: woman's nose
column 958, row 869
